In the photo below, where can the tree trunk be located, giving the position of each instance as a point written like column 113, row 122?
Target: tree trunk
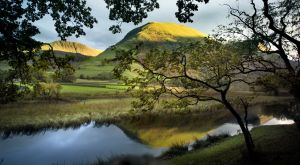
column 295, row 91
column 296, row 111
column 247, row 136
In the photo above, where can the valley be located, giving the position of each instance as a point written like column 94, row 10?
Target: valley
column 90, row 102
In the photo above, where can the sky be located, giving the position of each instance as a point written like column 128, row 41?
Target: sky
column 206, row 19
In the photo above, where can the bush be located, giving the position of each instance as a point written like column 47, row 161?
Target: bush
column 47, row 90
column 65, row 75
column 175, row 150
column 211, row 139
column 82, row 76
column 9, row 91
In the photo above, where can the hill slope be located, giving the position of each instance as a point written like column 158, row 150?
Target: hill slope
column 72, row 47
column 153, row 35
column 163, row 32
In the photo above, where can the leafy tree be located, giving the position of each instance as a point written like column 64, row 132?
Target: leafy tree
column 17, row 29
column 65, row 75
column 135, row 11
column 8, row 90
column 197, row 72
column 275, row 26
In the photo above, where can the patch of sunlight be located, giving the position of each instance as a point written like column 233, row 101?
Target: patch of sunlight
column 166, row 137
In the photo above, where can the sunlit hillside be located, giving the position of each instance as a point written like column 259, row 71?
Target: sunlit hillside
column 152, row 35
column 162, row 32
column 73, row 47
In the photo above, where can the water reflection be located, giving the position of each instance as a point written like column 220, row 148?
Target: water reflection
column 89, row 142
column 70, row 146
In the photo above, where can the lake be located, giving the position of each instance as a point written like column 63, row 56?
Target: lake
column 92, row 141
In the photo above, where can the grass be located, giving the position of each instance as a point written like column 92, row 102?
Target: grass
column 274, row 145
column 157, row 128
column 88, row 89
column 93, row 89
column 178, row 149
column 38, row 114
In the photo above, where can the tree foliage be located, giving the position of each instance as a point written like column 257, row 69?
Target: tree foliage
column 275, row 26
column 200, row 71
column 48, row 90
column 21, row 51
column 136, row 11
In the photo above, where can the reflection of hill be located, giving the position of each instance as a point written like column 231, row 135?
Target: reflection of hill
column 165, row 130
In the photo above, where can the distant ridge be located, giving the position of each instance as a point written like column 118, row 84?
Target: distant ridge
column 73, row 47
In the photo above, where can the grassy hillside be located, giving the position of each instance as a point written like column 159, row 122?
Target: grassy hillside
column 72, row 47
column 153, row 35
column 162, row 32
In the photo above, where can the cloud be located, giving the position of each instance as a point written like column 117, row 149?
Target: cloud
column 206, row 19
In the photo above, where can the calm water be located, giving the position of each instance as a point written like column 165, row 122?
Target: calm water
column 71, row 146
column 90, row 142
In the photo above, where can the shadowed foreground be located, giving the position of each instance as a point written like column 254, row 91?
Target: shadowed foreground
column 276, row 145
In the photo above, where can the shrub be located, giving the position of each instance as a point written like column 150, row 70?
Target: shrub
column 211, row 139
column 47, row 90
column 82, row 76
column 9, row 91
column 65, row 75
column 175, row 150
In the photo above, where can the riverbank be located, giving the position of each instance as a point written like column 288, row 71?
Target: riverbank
column 275, row 145
column 35, row 115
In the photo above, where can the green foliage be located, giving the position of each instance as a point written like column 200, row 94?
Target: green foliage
column 40, row 76
column 129, row 11
column 188, row 73
column 210, row 140
column 186, row 9
column 272, row 83
column 17, row 46
column 47, row 90
column 202, row 71
column 9, row 91
column 136, row 11
column 65, row 75
column 273, row 26
column 175, row 150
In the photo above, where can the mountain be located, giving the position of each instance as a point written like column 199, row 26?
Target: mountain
column 153, row 35
column 158, row 32
column 73, row 48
